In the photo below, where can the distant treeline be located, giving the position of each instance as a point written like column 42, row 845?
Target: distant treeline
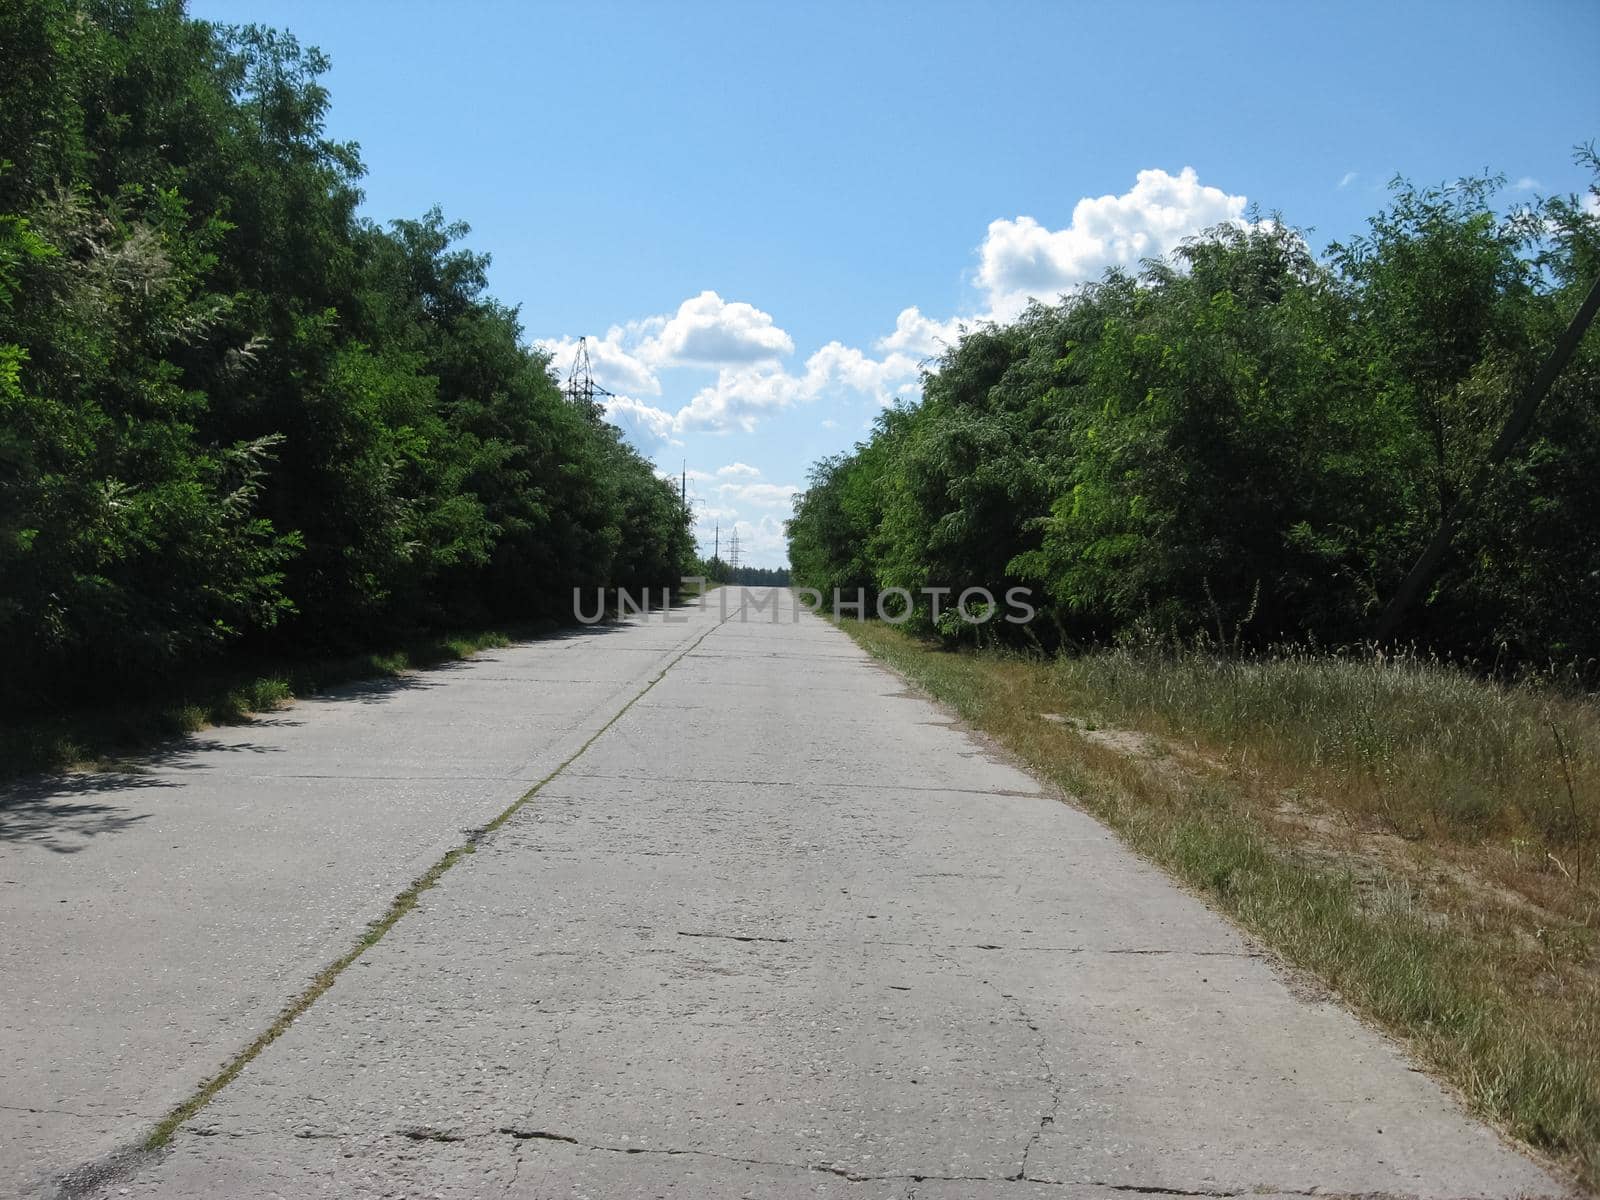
column 718, row 571
column 1252, row 444
column 232, row 411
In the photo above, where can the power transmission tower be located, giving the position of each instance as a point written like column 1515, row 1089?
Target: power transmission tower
column 733, row 552
column 581, row 388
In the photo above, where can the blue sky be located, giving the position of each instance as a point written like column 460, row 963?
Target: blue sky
column 765, row 216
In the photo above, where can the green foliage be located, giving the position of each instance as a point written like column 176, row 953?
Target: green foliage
column 714, row 570
column 234, row 414
column 1251, row 444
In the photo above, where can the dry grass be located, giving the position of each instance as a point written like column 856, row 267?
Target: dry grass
column 1423, row 841
column 1424, row 750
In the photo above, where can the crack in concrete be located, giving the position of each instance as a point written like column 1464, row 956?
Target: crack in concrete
column 425, row 1133
column 49, row 1112
column 516, row 1174
column 1145, row 1189
column 913, row 1178
column 733, row 937
column 1047, row 1117
column 936, row 947
column 555, row 1056
column 541, row 1135
column 818, row 1168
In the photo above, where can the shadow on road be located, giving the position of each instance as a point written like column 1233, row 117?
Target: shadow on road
column 59, row 814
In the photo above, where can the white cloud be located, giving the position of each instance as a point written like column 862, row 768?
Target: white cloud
column 709, row 331
column 760, row 542
column 1021, row 258
column 742, row 395
column 1526, row 184
column 651, row 429
column 738, row 470
column 1347, row 179
column 920, row 335
column 840, row 366
column 738, row 398
column 762, row 495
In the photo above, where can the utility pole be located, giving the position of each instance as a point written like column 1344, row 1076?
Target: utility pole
column 683, row 485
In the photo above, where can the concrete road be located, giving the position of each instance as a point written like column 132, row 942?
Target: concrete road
column 780, row 929
column 156, row 921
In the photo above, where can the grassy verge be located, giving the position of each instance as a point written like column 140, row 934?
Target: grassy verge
column 1420, row 840
column 224, row 693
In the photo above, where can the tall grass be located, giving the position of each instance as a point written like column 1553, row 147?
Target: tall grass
column 1418, row 746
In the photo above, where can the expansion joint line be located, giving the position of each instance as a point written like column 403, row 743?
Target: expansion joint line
column 398, row 907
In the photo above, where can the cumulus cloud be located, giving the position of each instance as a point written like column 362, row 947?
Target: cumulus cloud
column 738, row 470
column 708, row 331
column 738, row 399
column 1021, row 258
column 741, row 396
column 762, row 495
column 837, row 366
column 920, row 335
column 650, row 428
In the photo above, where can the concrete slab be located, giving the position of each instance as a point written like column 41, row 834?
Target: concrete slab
column 158, row 920
column 751, row 945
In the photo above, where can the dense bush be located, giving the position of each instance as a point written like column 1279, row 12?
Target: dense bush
column 232, row 411
column 1253, row 444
